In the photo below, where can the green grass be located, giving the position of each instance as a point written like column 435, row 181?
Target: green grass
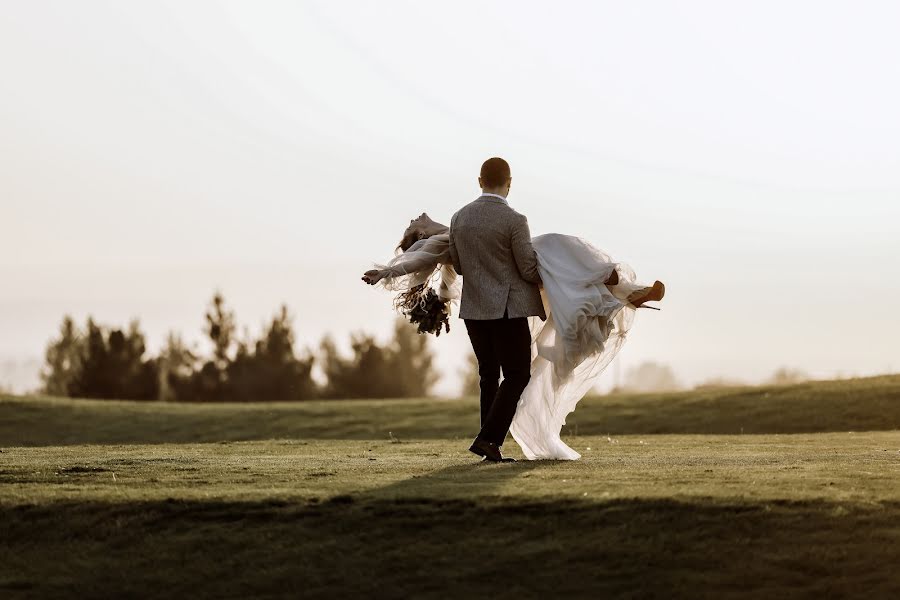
column 871, row 404
column 101, row 500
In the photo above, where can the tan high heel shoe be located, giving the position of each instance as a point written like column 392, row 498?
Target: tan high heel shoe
column 653, row 293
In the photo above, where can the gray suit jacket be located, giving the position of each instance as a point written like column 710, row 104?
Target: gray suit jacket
column 490, row 246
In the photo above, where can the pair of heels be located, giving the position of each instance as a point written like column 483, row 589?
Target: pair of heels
column 654, row 293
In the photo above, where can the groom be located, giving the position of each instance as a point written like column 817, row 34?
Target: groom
column 490, row 246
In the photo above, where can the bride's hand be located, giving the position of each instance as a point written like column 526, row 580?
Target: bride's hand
column 372, row 277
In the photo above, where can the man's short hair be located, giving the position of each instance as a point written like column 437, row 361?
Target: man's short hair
column 494, row 173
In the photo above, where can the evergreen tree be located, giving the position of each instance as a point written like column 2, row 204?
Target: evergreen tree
column 100, row 364
column 177, row 365
column 62, row 360
column 208, row 384
column 412, row 361
column 220, row 329
column 402, row 369
column 271, row 370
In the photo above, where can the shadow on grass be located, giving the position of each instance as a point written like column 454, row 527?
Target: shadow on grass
column 408, row 540
column 478, row 479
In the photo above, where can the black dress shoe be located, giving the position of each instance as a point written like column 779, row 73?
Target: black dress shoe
column 488, row 450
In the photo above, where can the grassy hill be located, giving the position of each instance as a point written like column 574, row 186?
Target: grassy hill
column 869, row 404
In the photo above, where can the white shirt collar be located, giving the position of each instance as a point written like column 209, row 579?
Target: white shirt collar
column 497, row 196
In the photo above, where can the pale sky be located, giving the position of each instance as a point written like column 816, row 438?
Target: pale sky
column 747, row 154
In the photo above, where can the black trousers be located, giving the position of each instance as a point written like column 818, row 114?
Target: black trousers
column 501, row 345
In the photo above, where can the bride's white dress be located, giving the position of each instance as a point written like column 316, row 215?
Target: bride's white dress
column 586, row 325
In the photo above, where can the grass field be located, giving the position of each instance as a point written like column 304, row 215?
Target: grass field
column 871, row 404
column 103, row 500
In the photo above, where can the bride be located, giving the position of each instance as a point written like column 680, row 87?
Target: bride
column 589, row 300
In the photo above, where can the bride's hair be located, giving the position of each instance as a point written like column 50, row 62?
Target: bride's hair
column 419, row 228
column 409, row 238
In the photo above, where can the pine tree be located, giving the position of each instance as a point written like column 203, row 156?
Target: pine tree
column 402, row 369
column 62, row 360
column 271, row 370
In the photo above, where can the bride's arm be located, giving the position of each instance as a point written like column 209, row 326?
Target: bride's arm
column 399, row 269
column 421, row 259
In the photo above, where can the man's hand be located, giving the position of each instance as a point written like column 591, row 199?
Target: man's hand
column 372, row 277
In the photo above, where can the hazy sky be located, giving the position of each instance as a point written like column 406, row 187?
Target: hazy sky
column 747, row 154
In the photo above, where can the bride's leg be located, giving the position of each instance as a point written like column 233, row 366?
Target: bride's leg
column 620, row 288
column 632, row 293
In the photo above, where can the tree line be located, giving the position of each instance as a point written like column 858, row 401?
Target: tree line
column 102, row 362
